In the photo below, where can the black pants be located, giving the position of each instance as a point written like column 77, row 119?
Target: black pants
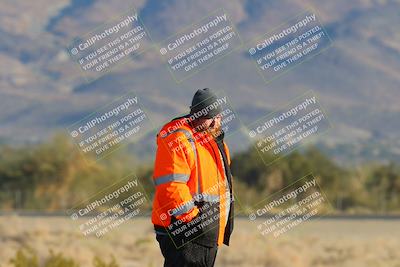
column 189, row 255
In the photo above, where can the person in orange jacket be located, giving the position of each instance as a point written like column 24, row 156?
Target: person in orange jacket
column 193, row 203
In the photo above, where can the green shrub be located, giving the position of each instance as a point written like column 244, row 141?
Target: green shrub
column 25, row 258
column 97, row 262
column 28, row 258
column 58, row 260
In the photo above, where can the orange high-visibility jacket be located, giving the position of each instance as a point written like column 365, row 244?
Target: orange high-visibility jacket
column 188, row 169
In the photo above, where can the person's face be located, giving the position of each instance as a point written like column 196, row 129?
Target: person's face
column 212, row 125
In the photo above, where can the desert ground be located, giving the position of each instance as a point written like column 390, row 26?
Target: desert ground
column 315, row 243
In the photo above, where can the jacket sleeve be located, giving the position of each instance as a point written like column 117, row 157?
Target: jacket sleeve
column 173, row 165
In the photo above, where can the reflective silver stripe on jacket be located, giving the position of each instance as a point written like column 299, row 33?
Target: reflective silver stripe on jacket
column 206, row 197
column 183, row 208
column 175, row 177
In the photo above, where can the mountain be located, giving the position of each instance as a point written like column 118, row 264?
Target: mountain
column 357, row 79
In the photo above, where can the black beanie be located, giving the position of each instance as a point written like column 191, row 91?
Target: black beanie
column 201, row 100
